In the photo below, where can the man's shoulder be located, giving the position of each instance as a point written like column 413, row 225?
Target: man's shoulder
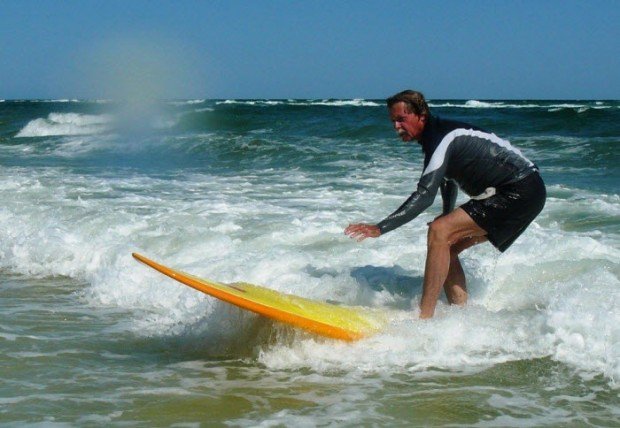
column 437, row 128
column 445, row 126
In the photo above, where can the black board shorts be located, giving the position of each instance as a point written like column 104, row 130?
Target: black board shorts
column 506, row 214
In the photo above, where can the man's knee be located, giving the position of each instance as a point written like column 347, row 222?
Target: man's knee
column 442, row 231
column 439, row 232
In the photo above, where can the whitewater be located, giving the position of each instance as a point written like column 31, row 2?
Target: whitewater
column 261, row 191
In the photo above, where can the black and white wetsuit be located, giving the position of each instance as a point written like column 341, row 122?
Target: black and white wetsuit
column 479, row 162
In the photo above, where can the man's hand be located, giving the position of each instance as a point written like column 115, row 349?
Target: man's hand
column 362, row 231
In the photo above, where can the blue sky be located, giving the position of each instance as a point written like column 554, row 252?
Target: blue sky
column 310, row 49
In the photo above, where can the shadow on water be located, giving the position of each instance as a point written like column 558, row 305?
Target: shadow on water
column 387, row 287
column 395, row 280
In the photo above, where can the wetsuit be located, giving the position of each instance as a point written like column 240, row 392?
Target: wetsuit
column 487, row 168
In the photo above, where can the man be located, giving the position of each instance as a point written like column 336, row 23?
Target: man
column 506, row 192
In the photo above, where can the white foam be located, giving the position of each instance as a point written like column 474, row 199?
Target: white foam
column 65, row 124
column 476, row 104
column 553, row 294
column 246, row 102
column 357, row 102
column 584, row 320
column 482, row 104
column 188, row 102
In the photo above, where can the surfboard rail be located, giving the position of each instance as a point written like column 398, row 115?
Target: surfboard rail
column 346, row 323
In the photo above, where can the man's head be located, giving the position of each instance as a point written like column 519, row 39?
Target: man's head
column 408, row 113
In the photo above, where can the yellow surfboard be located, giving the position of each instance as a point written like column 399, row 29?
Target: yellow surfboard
column 325, row 319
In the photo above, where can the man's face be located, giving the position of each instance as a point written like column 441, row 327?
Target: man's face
column 409, row 126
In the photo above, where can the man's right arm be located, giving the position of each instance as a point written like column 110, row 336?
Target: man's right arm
column 419, row 200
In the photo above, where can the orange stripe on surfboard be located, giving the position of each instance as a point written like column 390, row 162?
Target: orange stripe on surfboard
column 237, row 298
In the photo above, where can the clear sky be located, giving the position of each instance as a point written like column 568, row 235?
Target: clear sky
column 310, row 49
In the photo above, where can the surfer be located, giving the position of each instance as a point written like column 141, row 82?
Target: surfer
column 505, row 188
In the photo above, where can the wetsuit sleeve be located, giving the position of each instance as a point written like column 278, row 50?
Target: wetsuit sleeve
column 449, row 190
column 419, row 200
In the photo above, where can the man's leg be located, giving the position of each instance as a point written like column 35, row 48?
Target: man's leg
column 455, row 285
column 443, row 234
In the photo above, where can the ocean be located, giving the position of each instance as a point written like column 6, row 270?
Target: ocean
column 260, row 191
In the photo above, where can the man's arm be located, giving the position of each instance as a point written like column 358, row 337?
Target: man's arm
column 419, row 200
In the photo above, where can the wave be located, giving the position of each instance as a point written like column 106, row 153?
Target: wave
column 203, row 110
column 554, row 294
column 188, row 102
column 549, row 106
column 357, row 102
column 469, row 104
column 64, row 100
column 576, row 107
column 57, row 124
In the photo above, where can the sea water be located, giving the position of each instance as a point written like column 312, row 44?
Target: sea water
column 261, row 191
